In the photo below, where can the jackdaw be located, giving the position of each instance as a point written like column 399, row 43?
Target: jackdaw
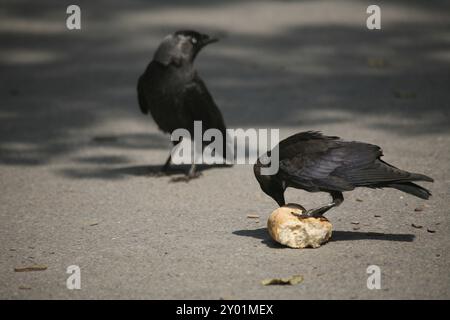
column 318, row 163
column 174, row 94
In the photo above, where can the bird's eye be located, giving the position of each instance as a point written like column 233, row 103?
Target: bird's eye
column 194, row 41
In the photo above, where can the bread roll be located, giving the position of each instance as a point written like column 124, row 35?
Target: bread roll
column 288, row 227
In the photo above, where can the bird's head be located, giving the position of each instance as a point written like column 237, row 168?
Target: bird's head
column 182, row 47
column 270, row 184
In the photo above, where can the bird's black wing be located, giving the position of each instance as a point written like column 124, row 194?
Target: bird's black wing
column 316, row 162
column 141, row 95
column 200, row 106
column 378, row 174
column 154, row 88
column 305, row 142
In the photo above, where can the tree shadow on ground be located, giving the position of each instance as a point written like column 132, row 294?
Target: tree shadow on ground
column 57, row 84
column 147, row 171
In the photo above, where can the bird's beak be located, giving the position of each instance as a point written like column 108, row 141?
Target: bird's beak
column 208, row 40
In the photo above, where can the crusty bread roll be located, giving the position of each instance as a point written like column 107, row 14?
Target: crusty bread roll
column 288, row 227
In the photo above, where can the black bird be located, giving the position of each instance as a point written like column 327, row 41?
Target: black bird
column 318, row 163
column 171, row 90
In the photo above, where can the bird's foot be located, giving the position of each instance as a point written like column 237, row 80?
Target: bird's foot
column 187, row 178
column 312, row 213
column 317, row 212
column 300, row 215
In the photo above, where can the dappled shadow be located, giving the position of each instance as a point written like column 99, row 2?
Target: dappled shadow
column 103, row 160
column 263, row 235
column 59, row 86
column 133, row 141
column 31, row 150
column 149, row 171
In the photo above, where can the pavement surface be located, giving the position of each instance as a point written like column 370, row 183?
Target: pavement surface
column 77, row 156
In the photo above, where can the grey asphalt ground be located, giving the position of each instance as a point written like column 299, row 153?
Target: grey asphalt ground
column 76, row 155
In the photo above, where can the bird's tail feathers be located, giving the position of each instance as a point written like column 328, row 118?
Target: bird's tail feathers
column 412, row 188
column 420, row 177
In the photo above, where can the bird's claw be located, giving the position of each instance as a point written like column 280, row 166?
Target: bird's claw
column 300, row 215
column 314, row 213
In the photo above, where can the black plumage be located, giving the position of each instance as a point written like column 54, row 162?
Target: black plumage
column 174, row 94
column 315, row 163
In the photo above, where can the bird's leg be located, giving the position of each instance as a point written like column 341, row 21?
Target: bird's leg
column 192, row 174
column 338, row 198
column 167, row 164
column 163, row 171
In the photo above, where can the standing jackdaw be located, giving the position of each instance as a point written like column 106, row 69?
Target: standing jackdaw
column 174, row 94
